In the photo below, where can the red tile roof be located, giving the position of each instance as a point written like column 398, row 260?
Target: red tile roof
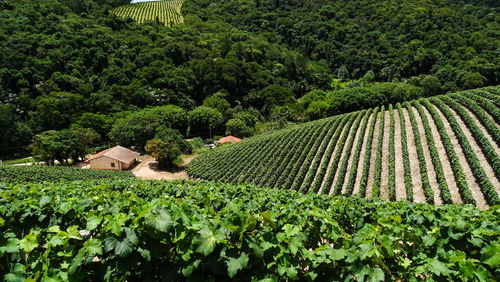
column 229, row 139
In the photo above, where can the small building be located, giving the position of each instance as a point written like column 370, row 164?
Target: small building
column 229, row 139
column 115, row 158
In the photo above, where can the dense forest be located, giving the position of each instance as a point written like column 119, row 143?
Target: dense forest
column 72, row 68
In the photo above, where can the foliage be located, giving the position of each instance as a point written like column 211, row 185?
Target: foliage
column 40, row 173
column 102, row 63
column 237, row 127
column 61, row 145
column 203, row 120
column 171, row 135
column 184, row 230
column 138, row 127
column 165, row 152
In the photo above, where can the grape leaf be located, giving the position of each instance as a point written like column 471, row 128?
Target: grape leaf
column 236, row 264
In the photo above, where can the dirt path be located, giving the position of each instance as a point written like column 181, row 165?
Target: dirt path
column 418, row 191
column 483, row 129
column 384, row 181
column 398, row 157
column 431, row 172
column 479, row 153
column 445, row 162
column 341, row 128
column 373, row 155
column 319, row 152
column 355, row 191
column 330, row 158
column 343, row 155
column 469, row 176
column 143, row 169
column 350, row 155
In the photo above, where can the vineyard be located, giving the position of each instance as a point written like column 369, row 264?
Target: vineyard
column 38, row 173
column 167, row 12
column 136, row 230
column 440, row 150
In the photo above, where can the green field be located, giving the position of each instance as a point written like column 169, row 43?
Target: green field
column 167, row 12
column 37, row 173
column 136, row 230
column 440, row 150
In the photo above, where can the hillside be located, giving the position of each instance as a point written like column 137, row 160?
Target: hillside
column 167, row 12
column 444, row 149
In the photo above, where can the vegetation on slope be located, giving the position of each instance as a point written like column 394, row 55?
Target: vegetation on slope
column 39, row 173
column 167, row 12
column 75, row 63
column 294, row 157
column 151, row 230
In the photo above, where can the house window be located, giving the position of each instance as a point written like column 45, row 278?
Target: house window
column 112, row 164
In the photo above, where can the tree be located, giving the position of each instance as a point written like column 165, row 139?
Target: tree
column 136, row 128
column 472, row 80
column 164, row 152
column 431, row 86
column 204, row 120
column 167, row 134
column 236, row 127
column 318, row 109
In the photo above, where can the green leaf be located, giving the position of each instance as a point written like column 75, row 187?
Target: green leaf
column 110, row 243
column 131, row 236
column 376, row 275
column 291, row 230
column 14, row 277
column 294, row 245
column 115, row 223
column 73, row 232
column 491, row 255
column 11, row 247
column 28, row 244
column 56, row 240
column 159, row 220
column 482, row 273
column 236, row 264
column 123, row 248
column 54, row 229
column 146, row 254
column 207, row 241
column 336, row 254
column 93, row 246
column 45, row 200
column 76, row 261
column 256, row 249
column 438, row 268
column 2, row 222
column 428, row 240
column 93, row 222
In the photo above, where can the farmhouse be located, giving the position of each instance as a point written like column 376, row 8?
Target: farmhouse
column 115, row 158
column 229, row 139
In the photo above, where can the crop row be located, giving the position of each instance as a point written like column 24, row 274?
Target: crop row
column 166, row 12
column 325, row 156
column 406, row 158
column 487, row 188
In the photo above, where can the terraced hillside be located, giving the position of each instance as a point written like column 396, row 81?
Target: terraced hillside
column 444, row 149
column 167, row 12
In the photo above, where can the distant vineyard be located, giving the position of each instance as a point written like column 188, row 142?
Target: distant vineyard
column 167, row 12
column 40, row 173
column 439, row 150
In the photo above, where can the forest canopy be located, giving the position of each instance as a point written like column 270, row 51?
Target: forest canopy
column 64, row 63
